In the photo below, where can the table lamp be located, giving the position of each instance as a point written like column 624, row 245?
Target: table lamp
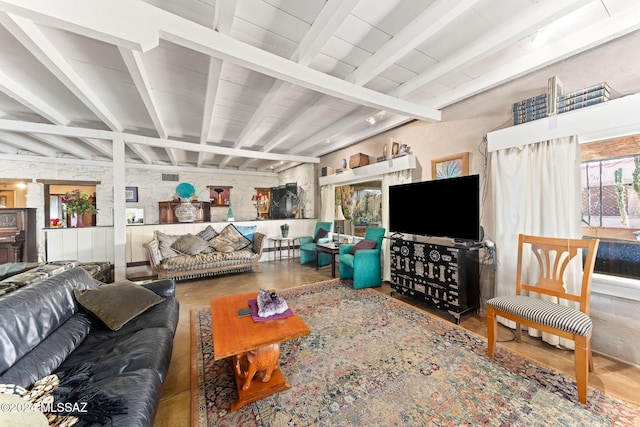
column 338, row 216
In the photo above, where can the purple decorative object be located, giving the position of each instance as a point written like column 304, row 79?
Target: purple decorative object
column 269, row 303
column 254, row 306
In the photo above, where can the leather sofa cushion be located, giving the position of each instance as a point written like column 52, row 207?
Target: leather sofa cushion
column 112, row 354
column 50, row 353
column 32, row 313
column 117, row 303
column 141, row 392
column 164, row 288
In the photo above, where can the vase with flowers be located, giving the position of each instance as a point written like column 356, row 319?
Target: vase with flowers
column 77, row 204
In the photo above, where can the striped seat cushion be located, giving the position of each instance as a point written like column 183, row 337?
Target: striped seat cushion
column 545, row 313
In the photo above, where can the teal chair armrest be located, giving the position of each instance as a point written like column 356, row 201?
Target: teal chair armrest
column 305, row 239
column 345, row 248
column 323, row 240
column 368, row 256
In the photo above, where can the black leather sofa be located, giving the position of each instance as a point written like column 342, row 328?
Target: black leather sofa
column 45, row 330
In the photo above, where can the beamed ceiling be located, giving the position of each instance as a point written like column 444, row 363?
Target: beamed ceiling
column 261, row 85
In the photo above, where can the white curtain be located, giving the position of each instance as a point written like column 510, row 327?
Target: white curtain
column 536, row 190
column 394, row 178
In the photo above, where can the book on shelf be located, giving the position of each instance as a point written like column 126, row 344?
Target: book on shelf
column 530, row 102
column 582, row 104
column 600, row 86
column 530, row 110
column 528, row 115
column 584, row 97
column 520, row 119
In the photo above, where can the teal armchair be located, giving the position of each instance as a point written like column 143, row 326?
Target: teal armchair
column 308, row 246
column 364, row 265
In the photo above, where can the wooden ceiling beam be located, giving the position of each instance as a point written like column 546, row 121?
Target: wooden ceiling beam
column 27, row 98
column 526, row 23
column 32, row 38
column 188, row 34
column 135, row 65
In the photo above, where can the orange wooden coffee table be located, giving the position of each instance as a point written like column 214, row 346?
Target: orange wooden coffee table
column 242, row 337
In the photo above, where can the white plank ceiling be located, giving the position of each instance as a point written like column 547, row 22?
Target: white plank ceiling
column 264, row 84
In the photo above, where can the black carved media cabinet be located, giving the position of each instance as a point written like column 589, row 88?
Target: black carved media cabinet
column 444, row 276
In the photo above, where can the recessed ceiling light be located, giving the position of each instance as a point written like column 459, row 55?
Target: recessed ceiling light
column 327, row 140
column 371, row 120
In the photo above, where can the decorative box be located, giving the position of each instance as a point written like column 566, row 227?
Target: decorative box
column 357, row 160
column 327, row 170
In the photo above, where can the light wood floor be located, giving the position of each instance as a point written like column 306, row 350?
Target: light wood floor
column 612, row 376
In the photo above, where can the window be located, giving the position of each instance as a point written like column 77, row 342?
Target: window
column 361, row 206
column 610, row 191
column 611, row 205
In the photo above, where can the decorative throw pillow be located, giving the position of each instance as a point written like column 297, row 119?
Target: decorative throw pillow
column 164, row 244
column 320, row 234
column 189, row 244
column 117, row 303
column 207, row 233
column 229, row 240
column 247, row 230
column 363, row 244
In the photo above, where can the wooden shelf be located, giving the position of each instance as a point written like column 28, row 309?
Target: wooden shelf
column 370, row 172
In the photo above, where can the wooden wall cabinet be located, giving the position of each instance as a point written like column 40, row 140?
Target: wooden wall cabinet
column 167, row 212
column 445, row 277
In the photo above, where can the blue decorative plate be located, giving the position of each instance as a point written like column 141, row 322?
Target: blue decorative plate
column 185, row 189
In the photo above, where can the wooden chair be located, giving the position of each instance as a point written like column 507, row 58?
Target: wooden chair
column 553, row 256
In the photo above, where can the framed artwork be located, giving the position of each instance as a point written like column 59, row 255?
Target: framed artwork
column 135, row 216
column 450, row 167
column 131, row 194
column 395, row 148
column 219, row 196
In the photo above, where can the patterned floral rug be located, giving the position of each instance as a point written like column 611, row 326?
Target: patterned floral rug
column 371, row 360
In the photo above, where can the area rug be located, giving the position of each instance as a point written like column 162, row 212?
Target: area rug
column 371, row 360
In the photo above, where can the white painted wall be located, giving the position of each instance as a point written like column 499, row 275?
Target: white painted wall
column 151, row 188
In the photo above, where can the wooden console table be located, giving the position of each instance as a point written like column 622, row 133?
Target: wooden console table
column 237, row 336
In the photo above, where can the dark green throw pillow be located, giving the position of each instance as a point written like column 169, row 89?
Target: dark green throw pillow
column 117, row 303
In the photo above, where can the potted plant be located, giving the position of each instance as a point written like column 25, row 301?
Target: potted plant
column 78, row 203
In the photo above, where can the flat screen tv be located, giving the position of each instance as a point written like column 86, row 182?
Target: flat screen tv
column 439, row 208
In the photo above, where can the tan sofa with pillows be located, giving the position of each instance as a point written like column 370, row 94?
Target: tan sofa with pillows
column 208, row 252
